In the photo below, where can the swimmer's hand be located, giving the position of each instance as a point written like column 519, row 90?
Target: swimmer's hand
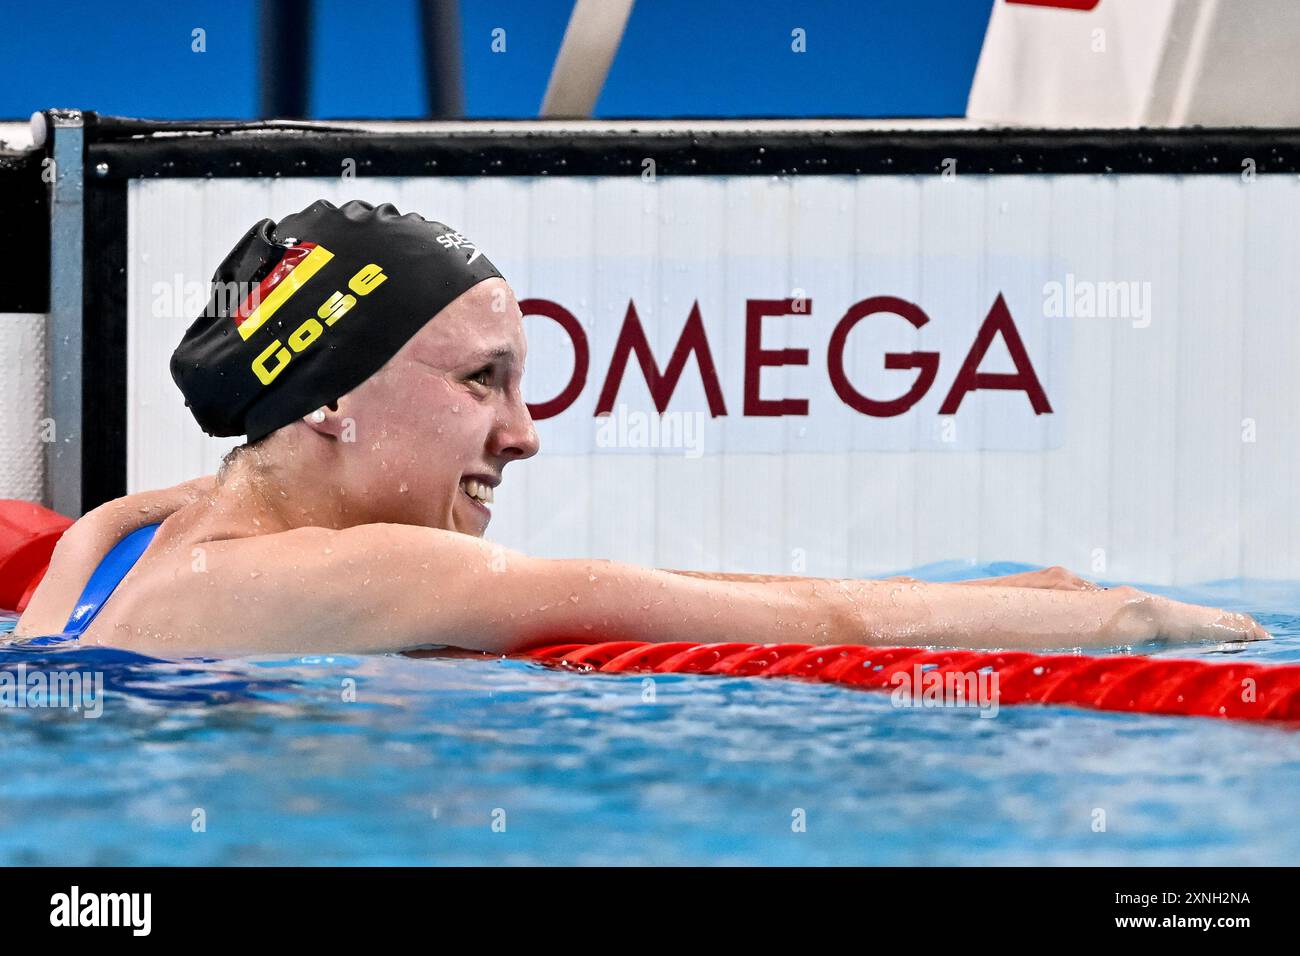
column 1143, row 617
column 1053, row 579
column 995, row 616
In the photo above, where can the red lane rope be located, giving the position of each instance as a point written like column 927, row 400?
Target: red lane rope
column 1134, row 684
column 1240, row 691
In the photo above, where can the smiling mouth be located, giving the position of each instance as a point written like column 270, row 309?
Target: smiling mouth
column 479, row 492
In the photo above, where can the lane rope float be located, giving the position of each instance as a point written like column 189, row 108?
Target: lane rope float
column 1130, row 683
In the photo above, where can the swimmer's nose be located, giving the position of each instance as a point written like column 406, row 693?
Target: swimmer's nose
column 527, row 445
column 515, row 435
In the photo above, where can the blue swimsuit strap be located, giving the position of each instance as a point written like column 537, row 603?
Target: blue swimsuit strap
column 106, row 577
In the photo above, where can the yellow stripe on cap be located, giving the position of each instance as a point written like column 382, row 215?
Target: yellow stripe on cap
column 290, row 284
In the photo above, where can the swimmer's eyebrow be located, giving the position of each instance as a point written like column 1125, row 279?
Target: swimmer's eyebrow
column 475, row 361
column 491, row 355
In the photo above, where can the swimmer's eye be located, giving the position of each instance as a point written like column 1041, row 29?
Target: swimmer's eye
column 483, row 376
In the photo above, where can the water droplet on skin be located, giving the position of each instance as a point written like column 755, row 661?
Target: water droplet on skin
column 573, row 598
column 403, row 488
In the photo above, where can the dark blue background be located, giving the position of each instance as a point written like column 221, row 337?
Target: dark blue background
column 678, row 58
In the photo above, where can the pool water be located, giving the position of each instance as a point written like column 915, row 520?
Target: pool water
column 395, row 760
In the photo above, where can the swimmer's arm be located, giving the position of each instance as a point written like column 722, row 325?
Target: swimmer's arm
column 740, row 577
column 1057, row 578
column 435, row 587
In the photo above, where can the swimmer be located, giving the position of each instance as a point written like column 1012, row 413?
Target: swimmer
column 376, row 377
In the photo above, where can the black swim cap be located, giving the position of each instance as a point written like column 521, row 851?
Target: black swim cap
column 304, row 311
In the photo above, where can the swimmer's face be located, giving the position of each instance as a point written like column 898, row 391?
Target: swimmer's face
column 445, row 416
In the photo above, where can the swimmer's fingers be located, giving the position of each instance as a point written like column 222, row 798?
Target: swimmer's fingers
column 1062, row 579
column 1240, row 627
column 1052, row 579
column 1254, row 630
column 1197, row 623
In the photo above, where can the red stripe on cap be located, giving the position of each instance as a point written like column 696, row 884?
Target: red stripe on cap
column 291, row 259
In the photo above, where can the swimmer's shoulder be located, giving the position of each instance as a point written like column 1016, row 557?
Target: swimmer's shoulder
column 88, row 540
column 333, row 553
column 288, row 591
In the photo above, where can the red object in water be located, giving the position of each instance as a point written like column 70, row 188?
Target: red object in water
column 28, row 534
column 1135, row 684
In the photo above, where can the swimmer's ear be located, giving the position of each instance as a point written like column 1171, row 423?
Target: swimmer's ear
column 325, row 420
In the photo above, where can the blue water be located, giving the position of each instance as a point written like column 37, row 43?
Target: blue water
column 448, row 761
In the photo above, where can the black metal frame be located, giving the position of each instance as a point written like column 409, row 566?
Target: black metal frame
column 232, row 150
column 103, row 359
